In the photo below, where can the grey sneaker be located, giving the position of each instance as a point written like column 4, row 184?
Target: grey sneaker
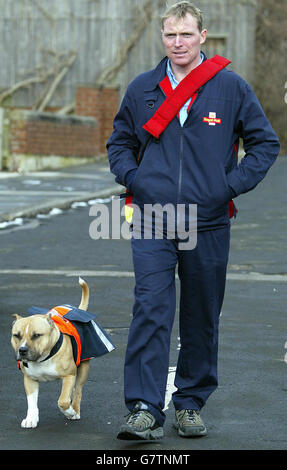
column 189, row 423
column 140, row 425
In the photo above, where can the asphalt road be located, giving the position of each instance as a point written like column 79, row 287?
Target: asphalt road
column 40, row 264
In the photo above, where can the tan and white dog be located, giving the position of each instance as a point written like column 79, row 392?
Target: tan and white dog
column 33, row 339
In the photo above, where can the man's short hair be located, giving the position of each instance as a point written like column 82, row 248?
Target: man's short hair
column 180, row 10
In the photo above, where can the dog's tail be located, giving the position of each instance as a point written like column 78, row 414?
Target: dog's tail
column 85, row 294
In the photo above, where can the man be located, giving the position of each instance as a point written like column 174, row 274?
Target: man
column 192, row 162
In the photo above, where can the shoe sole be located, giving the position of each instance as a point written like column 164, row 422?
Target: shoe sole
column 196, row 432
column 128, row 434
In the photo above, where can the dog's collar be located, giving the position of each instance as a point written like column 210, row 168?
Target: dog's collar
column 54, row 349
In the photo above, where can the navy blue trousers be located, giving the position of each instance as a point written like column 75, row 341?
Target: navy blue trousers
column 202, row 274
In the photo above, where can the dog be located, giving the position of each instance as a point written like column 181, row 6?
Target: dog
column 44, row 354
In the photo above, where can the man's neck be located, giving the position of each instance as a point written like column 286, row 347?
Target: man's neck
column 181, row 72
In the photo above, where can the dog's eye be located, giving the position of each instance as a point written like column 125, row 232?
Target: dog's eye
column 17, row 335
column 36, row 335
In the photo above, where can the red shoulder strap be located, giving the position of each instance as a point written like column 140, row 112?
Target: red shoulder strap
column 185, row 89
column 166, row 86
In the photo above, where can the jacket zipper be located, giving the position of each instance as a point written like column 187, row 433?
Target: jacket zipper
column 193, row 98
column 181, row 151
column 180, row 165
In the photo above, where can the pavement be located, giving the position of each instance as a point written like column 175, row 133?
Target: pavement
column 25, row 195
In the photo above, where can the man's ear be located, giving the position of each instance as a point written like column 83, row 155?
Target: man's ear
column 203, row 35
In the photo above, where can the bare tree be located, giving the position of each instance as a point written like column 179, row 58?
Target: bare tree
column 270, row 69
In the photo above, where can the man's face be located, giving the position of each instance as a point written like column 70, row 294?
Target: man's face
column 182, row 40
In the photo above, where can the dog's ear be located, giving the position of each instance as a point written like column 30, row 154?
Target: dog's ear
column 16, row 316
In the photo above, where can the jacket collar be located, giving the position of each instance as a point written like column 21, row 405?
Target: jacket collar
column 157, row 75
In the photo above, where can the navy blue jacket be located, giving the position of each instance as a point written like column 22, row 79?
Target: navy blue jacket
column 196, row 163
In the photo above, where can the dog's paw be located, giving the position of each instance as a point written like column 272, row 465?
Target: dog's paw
column 70, row 413
column 31, row 421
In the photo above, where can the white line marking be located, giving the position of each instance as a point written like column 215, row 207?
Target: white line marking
column 41, row 193
column 71, row 272
column 257, row 277
column 67, row 272
column 170, row 388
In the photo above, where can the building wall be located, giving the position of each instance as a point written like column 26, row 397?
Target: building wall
column 36, row 36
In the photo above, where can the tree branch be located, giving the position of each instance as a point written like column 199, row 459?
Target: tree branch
column 56, row 82
column 109, row 73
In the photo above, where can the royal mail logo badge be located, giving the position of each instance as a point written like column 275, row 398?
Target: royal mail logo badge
column 212, row 120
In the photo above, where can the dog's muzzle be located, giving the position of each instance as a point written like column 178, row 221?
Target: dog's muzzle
column 23, row 352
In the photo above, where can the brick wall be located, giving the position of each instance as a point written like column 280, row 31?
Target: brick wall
column 44, row 134
column 101, row 103
column 83, row 135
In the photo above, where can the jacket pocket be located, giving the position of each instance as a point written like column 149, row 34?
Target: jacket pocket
column 150, row 99
column 142, row 160
column 223, row 193
column 228, row 170
column 133, row 185
column 150, row 105
column 228, row 192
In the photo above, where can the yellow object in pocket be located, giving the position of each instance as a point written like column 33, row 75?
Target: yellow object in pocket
column 128, row 213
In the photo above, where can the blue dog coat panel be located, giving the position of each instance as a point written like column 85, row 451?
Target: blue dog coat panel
column 94, row 340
